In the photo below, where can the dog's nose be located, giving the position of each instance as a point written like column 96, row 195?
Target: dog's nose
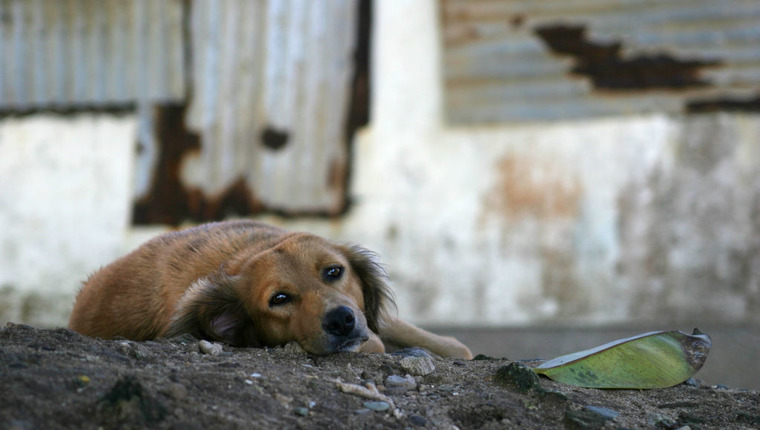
column 339, row 321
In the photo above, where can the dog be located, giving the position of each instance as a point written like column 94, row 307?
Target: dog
column 249, row 284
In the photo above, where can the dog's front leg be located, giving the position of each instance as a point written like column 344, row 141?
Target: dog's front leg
column 404, row 334
column 373, row 345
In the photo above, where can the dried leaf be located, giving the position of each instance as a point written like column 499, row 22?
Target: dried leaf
column 656, row 359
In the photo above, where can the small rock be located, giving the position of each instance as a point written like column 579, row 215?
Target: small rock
column 517, row 376
column 661, row 421
column 284, row 400
column 399, row 384
column 377, row 406
column 293, row 348
column 418, row 420
column 255, row 375
column 583, row 419
column 362, row 411
column 301, row 411
column 177, row 391
column 412, row 352
column 691, row 382
column 418, row 365
column 605, row 413
column 209, row 348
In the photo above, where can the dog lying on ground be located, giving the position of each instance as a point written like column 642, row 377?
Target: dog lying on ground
column 249, row 284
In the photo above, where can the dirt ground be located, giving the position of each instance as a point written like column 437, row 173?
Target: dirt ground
column 59, row 379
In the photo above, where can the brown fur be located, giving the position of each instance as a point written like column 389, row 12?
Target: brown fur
column 222, row 281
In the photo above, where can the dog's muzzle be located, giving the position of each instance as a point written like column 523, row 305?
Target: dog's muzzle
column 345, row 332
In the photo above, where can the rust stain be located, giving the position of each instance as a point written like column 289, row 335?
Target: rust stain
column 169, row 200
column 336, row 181
column 527, row 188
column 559, row 280
column 607, row 69
column 724, row 105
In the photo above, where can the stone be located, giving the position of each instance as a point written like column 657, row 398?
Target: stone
column 605, row 413
column 209, row 348
column 400, row 384
column 517, row 376
column 418, row 365
column 377, row 406
column 418, row 420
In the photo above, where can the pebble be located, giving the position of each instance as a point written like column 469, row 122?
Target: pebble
column 377, row 406
column 399, row 384
column 301, row 411
column 660, row 420
column 177, row 391
column 418, row 365
column 517, row 376
column 605, row 413
column 209, row 348
column 412, row 352
column 418, row 420
column 583, row 419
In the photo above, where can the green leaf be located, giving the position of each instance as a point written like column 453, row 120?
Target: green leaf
column 656, row 359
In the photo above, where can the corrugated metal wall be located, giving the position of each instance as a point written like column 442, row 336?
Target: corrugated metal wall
column 517, row 60
column 89, row 53
column 240, row 103
column 271, row 84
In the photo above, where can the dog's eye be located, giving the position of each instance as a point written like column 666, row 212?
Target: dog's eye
column 332, row 273
column 279, row 299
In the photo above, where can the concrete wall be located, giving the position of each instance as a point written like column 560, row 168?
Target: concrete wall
column 617, row 219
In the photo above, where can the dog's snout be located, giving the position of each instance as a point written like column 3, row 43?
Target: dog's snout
column 339, row 321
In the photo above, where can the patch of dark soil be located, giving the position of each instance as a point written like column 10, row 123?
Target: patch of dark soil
column 58, row 379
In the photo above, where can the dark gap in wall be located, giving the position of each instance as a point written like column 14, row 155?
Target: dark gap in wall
column 605, row 65
column 727, row 104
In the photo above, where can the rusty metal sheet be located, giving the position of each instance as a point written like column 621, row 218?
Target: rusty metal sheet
column 271, row 90
column 517, row 60
column 69, row 53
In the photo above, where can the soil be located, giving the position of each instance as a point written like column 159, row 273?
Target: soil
column 59, row 379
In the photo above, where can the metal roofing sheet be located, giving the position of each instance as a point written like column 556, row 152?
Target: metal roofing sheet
column 89, row 52
column 516, row 60
column 271, row 84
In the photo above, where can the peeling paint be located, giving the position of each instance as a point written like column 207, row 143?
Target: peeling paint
column 530, row 188
column 605, row 65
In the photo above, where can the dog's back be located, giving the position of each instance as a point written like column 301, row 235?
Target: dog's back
column 134, row 296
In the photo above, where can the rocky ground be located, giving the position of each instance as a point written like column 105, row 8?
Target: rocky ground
column 59, row 379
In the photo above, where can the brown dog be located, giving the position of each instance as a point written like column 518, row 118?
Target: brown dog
column 250, row 284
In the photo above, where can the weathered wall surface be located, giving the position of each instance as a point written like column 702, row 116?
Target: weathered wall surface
column 64, row 211
column 627, row 217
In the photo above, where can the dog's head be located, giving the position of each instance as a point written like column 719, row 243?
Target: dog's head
column 323, row 295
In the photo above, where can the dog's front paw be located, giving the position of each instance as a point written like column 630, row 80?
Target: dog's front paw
column 456, row 349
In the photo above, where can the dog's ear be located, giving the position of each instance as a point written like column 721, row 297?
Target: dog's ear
column 211, row 309
column 378, row 298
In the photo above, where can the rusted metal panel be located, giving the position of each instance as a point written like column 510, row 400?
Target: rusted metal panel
column 70, row 53
column 517, row 60
column 274, row 90
column 271, row 90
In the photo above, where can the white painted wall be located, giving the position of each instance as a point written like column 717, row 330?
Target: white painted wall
column 63, row 207
column 616, row 219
